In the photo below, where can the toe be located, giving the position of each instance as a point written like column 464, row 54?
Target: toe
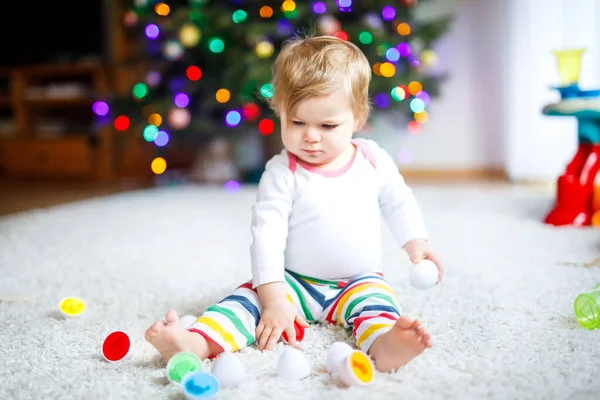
column 415, row 325
column 172, row 317
column 404, row 322
column 154, row 330
column 420, row 330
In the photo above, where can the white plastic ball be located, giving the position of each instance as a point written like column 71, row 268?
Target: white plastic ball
column 229, row 370
column 336, row 355
column 293, row 365
column 424, row 275
column 187, row 320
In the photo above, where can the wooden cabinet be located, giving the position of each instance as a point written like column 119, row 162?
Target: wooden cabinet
column 84, row 151
column 49, row 158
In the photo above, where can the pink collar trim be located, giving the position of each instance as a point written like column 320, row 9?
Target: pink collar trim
column 293, row 161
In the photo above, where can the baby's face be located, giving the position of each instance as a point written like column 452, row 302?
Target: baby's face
column 320, row 129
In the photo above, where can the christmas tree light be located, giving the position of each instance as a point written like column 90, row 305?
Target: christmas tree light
column 209, row 62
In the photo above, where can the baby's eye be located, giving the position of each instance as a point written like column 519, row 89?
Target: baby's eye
column 328, row 126
column 297, row 122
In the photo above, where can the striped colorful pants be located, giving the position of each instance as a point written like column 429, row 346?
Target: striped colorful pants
column 366, row 305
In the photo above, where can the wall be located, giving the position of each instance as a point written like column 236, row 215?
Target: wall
column 465, row 123
column 500, row 66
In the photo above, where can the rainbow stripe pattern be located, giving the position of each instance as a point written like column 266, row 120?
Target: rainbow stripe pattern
column 366, row 305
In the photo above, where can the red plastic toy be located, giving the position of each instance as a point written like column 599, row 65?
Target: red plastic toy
column 299, row 333
column 575, row 188
column 116, row 346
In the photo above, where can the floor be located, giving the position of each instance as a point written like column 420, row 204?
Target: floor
column 22, row 195
column 502, row 320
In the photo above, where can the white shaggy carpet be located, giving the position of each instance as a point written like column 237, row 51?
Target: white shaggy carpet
column 502, row 320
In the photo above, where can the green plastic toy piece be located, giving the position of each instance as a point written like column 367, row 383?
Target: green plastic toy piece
column 182, row 364
column 587, row 309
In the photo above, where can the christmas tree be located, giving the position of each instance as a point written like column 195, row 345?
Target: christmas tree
column 209, row 62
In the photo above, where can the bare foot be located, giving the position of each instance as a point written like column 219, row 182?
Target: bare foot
column 397, row 347
column 170, row 339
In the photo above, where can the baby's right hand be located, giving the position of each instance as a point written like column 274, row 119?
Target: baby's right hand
column 277, row 317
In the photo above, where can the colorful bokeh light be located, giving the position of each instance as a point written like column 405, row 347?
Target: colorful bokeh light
column 232, row 186
column 233, row 118
column 388, row 13
column 417, row 105
column 414, row 128
column 251, row 111
column 152, row 31
column 382, row 100
column 155, row 119
column 365, row 37
column 288, row 6
column 100, row 108
column 239, row 16
column 387, row 70
column 150, row 133
column 161, row 139
column 162, row 9
column 266, row 126
column 398, row 94
column 403, row 29
column 181, row 100
column 121, row 123
column 404, row 49
column 266, row 12
column 158, row 165
column 392, row 54
column 216, row 45
column 319, row 7
column 415, row 87
column 140, row 90
column 223, row 96
column 267, row 90
column 341, row 35
column 193, row 73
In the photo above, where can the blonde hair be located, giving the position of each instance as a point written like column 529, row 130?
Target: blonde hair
column 317, row 66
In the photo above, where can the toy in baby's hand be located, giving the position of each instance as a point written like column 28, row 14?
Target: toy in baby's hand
column 299, row 333
column 424, row 275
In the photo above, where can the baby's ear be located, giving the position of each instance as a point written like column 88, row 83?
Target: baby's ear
column 360, row 124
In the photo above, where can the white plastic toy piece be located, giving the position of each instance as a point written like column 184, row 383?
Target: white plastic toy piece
column 228, row 369
column 293, row 365
column 336, row 355
column 187, row 320
column 357, row 369
column 424, row 275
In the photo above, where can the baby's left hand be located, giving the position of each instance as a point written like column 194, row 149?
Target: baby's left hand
column 419, row 250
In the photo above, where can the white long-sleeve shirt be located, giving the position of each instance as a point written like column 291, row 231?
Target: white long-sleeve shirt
column 327, row 224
